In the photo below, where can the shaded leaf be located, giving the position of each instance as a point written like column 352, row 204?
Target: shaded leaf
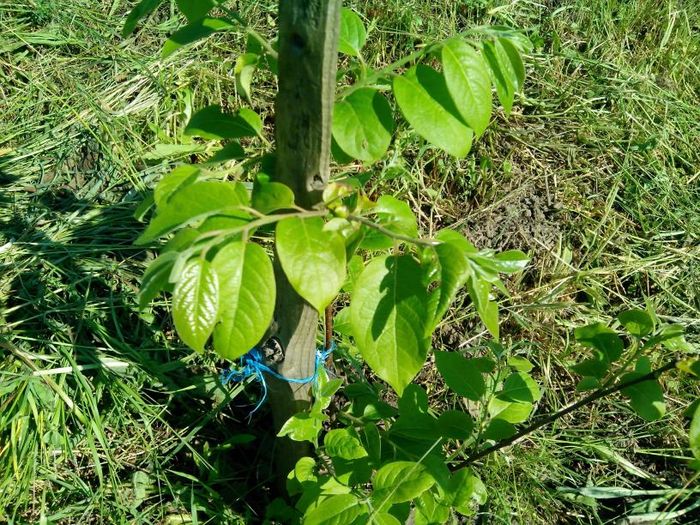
column 195, row 9
column 212, row 123
column 194, row 31
column 455, row 424
column 637, row 322
column 141, row 10
column 461, row 375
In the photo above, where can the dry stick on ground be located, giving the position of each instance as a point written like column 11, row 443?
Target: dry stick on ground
column 594, row 396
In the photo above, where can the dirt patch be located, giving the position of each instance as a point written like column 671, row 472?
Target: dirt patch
column 528, row 219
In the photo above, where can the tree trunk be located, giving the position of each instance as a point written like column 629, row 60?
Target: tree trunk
column 308, row 43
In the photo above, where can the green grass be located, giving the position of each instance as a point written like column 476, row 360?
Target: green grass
column 596, row 174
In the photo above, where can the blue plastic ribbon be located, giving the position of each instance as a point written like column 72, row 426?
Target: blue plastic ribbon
column 252, row 365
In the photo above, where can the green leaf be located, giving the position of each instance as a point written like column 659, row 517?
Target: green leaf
column 499, row 429
column 694, row 433
column 509, row 262
column 465, row 491
column 601, row 338
column 519, row 386
column 596, row 366
column 455, row 424
column 479, row 290
column 155, row 278
column 400, row 481
column 637, row 322
column 588, row 383
column 342, row 509
column 144, row 206
column 174, row 151
column 388, row 316
column 302, row 427
column 141, row 10
column 312, row 259
column 196, row 202
column 246, row 64
column 384, row 518
column 342, row 443
column 394, row 215
column 461, row 375
column 194, row 31
column 231, row 151
column 195, row 9
column 510, row 56
column 425, row 101
column 468, row 81
column 211, row 123
column 179, row 177
column 520, row 364
column 363, row 125
column 500, row 74
column 352, row 33
column 196, row 303
column 271, row 196
column 512, row 412
column 247, row 297
column 646, row 398
column 454, row 271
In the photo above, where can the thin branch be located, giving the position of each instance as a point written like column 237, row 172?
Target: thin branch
column 594, row 396
column 389, row 233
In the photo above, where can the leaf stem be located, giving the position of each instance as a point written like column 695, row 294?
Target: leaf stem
column 391, row 234
column 594, row 396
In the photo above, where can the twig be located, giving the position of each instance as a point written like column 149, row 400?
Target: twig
column 598, row 394
column 389, row 233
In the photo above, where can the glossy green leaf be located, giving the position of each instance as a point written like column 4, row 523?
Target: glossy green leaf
column 195, row 9
column 178, row 178
column 212, row 123
column 455, row 424
column 341, row 509
column 312, row 259
column 394, row 215
column 388, row 316
column 247, row 297
column 363, row 124
column 245, row 67
column 196, row 202
column 302, row 427
column 425, row 102
column 271, row 196
column 510, row 261
column 461, row 375
column 384, row 518
column 352, row 33
column 637, row 322
column 601, row 338
column 196, row 303
column 512, row 412
column 519, row 386
column 155, row 278
column 344, row 444
column 428, row 511
column 500, row 74
column 468, row 82
column 400, row 481
column 194, row 31
column 646, row 398
column 141, row 10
